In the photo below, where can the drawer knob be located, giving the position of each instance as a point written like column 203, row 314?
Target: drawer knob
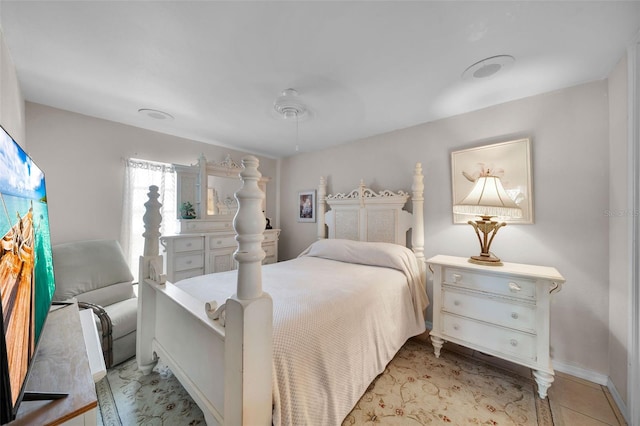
column 514, row 287
column 514, row 315
column 456, row 303
column 457, row 277
column 219, row 242
column 188, row 244
column 188, row 262
column 514, row 342
column 456, row 327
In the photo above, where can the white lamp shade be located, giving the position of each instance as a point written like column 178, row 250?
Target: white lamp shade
column 488, row 198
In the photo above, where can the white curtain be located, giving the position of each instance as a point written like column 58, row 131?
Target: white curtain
column 139, row 175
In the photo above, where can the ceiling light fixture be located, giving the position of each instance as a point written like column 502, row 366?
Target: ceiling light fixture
column 155, row 114
column 289, row 107
column 487, row 67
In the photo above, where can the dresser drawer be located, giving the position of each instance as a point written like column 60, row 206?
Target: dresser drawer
column 507, row 286
column 223, row 241
column 493, row 310
column 188, row 244
column 191, row 261
column 499, row 339
column 183, row 275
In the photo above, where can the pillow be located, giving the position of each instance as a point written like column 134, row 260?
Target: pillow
column 385, row 255
column 362, row 252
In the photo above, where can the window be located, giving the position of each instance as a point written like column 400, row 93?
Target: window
column 139, row 175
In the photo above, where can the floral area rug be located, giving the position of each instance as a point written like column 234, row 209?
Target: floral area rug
column 126, row 397
column 416, row 388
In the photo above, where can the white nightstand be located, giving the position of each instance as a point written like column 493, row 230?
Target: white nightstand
column 498, row 310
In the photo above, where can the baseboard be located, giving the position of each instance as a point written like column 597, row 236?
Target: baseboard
column 582, row 373
column 599, row 378
column 618, row 400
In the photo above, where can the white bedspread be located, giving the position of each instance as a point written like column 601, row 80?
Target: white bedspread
column 336, row 324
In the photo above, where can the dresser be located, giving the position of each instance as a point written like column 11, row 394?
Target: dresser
column 502, row 311
column 205, row 244
column 190, row 255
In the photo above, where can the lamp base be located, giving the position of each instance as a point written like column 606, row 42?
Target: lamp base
column 490, row 260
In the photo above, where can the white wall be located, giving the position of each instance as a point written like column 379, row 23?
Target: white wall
column 569, row 131
column 619, row 226
column 11, row 100
column 83, row 161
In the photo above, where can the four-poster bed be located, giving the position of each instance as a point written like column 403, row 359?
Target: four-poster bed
column 328, row 322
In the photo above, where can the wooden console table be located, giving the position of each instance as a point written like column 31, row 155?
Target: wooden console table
column 61, row 365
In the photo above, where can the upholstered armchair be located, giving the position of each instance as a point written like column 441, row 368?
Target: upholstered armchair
column 97, row 275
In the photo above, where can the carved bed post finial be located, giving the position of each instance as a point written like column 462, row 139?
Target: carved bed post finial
column 152, row 219
column 248, row 346
column 417, row 234
column 249, row 223
column 361, row 189
column 322, row 194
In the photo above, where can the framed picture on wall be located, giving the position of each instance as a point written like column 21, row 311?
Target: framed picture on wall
column 510, row 161
column 307, row 206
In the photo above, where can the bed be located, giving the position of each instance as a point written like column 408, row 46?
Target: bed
column 304, row 349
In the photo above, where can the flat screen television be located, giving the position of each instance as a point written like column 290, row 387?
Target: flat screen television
column 27, row 281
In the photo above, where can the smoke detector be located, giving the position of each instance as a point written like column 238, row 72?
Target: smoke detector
column 488, row 67
column 155, row 114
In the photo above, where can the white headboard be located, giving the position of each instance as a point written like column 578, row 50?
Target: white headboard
column 365, row 215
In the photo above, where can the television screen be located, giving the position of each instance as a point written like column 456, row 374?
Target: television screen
column 26, row 269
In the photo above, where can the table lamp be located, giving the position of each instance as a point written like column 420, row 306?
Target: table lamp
column 487, row 199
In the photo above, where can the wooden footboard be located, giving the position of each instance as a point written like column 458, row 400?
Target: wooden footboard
column 225, row 368
column 173, row 326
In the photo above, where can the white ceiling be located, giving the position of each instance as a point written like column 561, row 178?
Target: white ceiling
column 362, row 68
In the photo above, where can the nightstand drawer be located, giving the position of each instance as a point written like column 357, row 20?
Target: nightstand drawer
column 188, row 244
column 508, row 286
column 499, row 339
column 270, row 236
column 220, row 242
column 505, row 313
column 269, row 250
column 192, row 261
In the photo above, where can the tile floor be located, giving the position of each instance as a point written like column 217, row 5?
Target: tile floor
column 574, row 401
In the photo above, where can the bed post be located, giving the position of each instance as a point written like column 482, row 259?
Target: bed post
column 249, row 314
column 149, row 272
column 322, row 194
column 417, row 233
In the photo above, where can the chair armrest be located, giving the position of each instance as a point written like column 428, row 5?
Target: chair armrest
column 106, row 328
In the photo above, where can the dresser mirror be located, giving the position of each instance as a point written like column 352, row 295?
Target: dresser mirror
column 215, row 183
column 220, row 199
